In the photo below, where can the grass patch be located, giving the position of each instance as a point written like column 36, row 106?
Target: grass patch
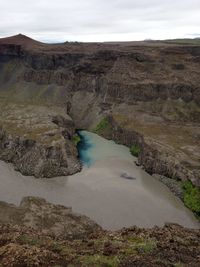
column 179, row 264
column 76, row 139
column 137, row 245
column 146, row 247
column 135, row 150
column 99, row 261
column 192, row 197
column 25, row 239
column 103, row 124
column 63, row 250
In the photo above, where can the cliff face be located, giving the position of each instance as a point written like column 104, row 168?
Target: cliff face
column 33, row 158
column 37, row 140
column 115, row 72
column 155, row 157
column 150, row 89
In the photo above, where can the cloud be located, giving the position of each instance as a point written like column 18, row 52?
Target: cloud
column 95, row 20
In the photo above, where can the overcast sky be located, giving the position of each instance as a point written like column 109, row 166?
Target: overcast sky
column 100, row 20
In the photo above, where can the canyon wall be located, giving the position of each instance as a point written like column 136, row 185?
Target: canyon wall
column 154, row 157
column 151, row 90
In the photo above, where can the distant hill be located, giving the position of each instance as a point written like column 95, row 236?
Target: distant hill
column 186, row 41
column 22, row 40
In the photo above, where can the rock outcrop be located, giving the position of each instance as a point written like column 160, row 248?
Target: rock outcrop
column 38, row 141
column 47, row 218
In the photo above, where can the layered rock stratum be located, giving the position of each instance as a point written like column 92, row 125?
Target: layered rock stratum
column 148, row 90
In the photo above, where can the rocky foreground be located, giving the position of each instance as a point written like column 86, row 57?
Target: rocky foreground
column 38, row 233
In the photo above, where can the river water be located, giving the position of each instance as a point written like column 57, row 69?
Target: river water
column 110, row 189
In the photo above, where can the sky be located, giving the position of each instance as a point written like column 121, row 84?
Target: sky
column 100, row 20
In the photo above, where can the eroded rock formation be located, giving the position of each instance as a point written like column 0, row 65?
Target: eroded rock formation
column 38, row 140
column 47, row 218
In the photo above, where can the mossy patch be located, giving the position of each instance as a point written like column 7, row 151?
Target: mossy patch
column 138, row 244
column 146, row 247
column 192, row 197
column 63, row 249
column 179, row 264
column 102, row 125
column 99, row 261
column 76, row 139
column 135, row 150
column 25, row 239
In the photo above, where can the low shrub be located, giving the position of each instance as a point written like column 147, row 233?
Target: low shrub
column 192, row 197
column 103, row 124
column 76, row 139
column 135, row 150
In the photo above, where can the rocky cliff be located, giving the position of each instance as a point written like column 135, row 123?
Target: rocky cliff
column 150, row 89
column 155, row 156
column 38, row 140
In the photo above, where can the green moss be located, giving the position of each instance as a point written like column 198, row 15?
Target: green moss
column 103, row 124
column 76, row 139
column 192, row 197
column 57, row 247
column 147, row 246
column 135, row 239
column 99, row 260
column 179, row 264
column 135, row 150
column 62, row 249
column 25, row 239
column 137, row 245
